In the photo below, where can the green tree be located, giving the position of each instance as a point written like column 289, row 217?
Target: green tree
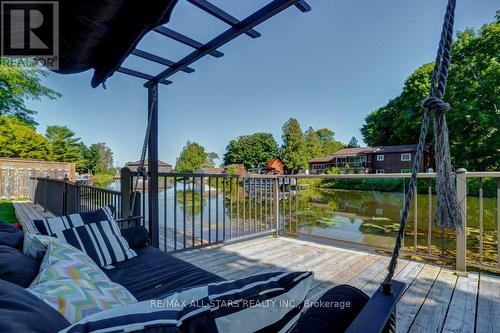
column 100, row 158
column 353, row 143
column 17, row 85
column 210, row 160
column 312, row 144
column 251, row 150
column 328, row 143
column 473, row 92
column 64, row 146
column 294, row 151
column 191, row 158
column 20, row 140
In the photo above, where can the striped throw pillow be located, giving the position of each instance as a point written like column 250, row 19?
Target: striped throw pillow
column 266, row 303
column 51, row 225
column 101, row 241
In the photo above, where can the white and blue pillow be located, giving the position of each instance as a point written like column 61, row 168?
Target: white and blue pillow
column 266, row 303
column 101, row 241
column 95, row 233
column 51, row 225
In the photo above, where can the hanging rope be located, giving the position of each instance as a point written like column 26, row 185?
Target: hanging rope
column 141, row 170
column 447, row 211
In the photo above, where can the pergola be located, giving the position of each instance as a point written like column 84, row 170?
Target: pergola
column 200, row 50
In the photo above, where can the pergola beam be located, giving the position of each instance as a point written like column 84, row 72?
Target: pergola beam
column 303, row 6
column 247, row 24
column 185, row 40
column 221, row 15
column 159, row 60
column 140, row 75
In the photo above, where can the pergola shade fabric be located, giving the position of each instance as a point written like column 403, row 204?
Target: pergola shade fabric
column 100, row 34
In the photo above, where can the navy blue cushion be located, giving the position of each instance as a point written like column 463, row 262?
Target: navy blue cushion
column 155, row 274
column 46, row 226
column 136, row 237
column 11, row 236
column 21, row 311
column 17, row 268
column 333, row 312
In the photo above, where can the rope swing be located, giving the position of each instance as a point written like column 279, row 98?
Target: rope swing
column 447, row 211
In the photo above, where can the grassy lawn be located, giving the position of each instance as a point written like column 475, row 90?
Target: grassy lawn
column 7, row 213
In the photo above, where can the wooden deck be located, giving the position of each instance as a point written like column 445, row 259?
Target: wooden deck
column 435, row 299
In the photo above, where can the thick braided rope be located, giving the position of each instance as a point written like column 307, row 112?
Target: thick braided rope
column 436, row 107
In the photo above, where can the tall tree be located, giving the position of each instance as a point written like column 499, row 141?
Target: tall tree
column 328, row 143
column 210, row 160
column 251, row 150
column 100, row 158
column 17, row 85
column 353, row 143
column 473, row 92
column 191, row 158
column 293, row 152
column 64, row 146
column 20, row 140
column 312, row 144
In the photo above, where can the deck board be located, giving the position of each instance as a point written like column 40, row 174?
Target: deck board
column 488, row 306
column 435, row 306
column 462, row 310
column 435, row 299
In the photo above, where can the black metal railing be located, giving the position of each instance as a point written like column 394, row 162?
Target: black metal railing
column 197, row 209
column 62, row 197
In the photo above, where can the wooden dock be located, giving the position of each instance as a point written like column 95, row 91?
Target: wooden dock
column 435, row 299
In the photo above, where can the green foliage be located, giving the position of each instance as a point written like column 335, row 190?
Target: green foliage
column 353, row 143
column 253, row 150
column 101, row 158
column 20, row 140
column 473, row 92
column 191, row 158
column 18, row 85
column 298, row 148
column 327, row 141
column 294, row 150
column 7, row 212
column 64, row 146
column 210, row 160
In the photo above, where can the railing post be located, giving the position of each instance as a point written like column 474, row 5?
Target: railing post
column 276, row 210
column 461, row 251
column 45, row 194
column 126, row 192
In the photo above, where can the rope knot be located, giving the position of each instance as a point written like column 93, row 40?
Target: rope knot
column 436, row 105
column 141, row 171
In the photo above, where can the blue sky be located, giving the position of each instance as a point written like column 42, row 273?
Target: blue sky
column 328, row 68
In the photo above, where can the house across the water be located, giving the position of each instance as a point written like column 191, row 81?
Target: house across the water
column 273, row 167
column 163, row 167
column 381, row 159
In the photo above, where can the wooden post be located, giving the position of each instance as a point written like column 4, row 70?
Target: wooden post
column 276, row 211
column 461, row 251
column 126, row 192
column 154, row 224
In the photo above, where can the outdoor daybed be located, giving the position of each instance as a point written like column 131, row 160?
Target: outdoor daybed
column 150, row 275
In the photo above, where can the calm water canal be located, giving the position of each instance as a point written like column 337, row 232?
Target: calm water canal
column 364, row 217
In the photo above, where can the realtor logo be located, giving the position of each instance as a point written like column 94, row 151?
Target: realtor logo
column 29, row 33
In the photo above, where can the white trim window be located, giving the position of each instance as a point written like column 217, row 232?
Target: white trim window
column 380, row 171
column 406, row 157
column 380, row 158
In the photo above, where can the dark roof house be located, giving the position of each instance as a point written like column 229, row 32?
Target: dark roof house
column 378, row 159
